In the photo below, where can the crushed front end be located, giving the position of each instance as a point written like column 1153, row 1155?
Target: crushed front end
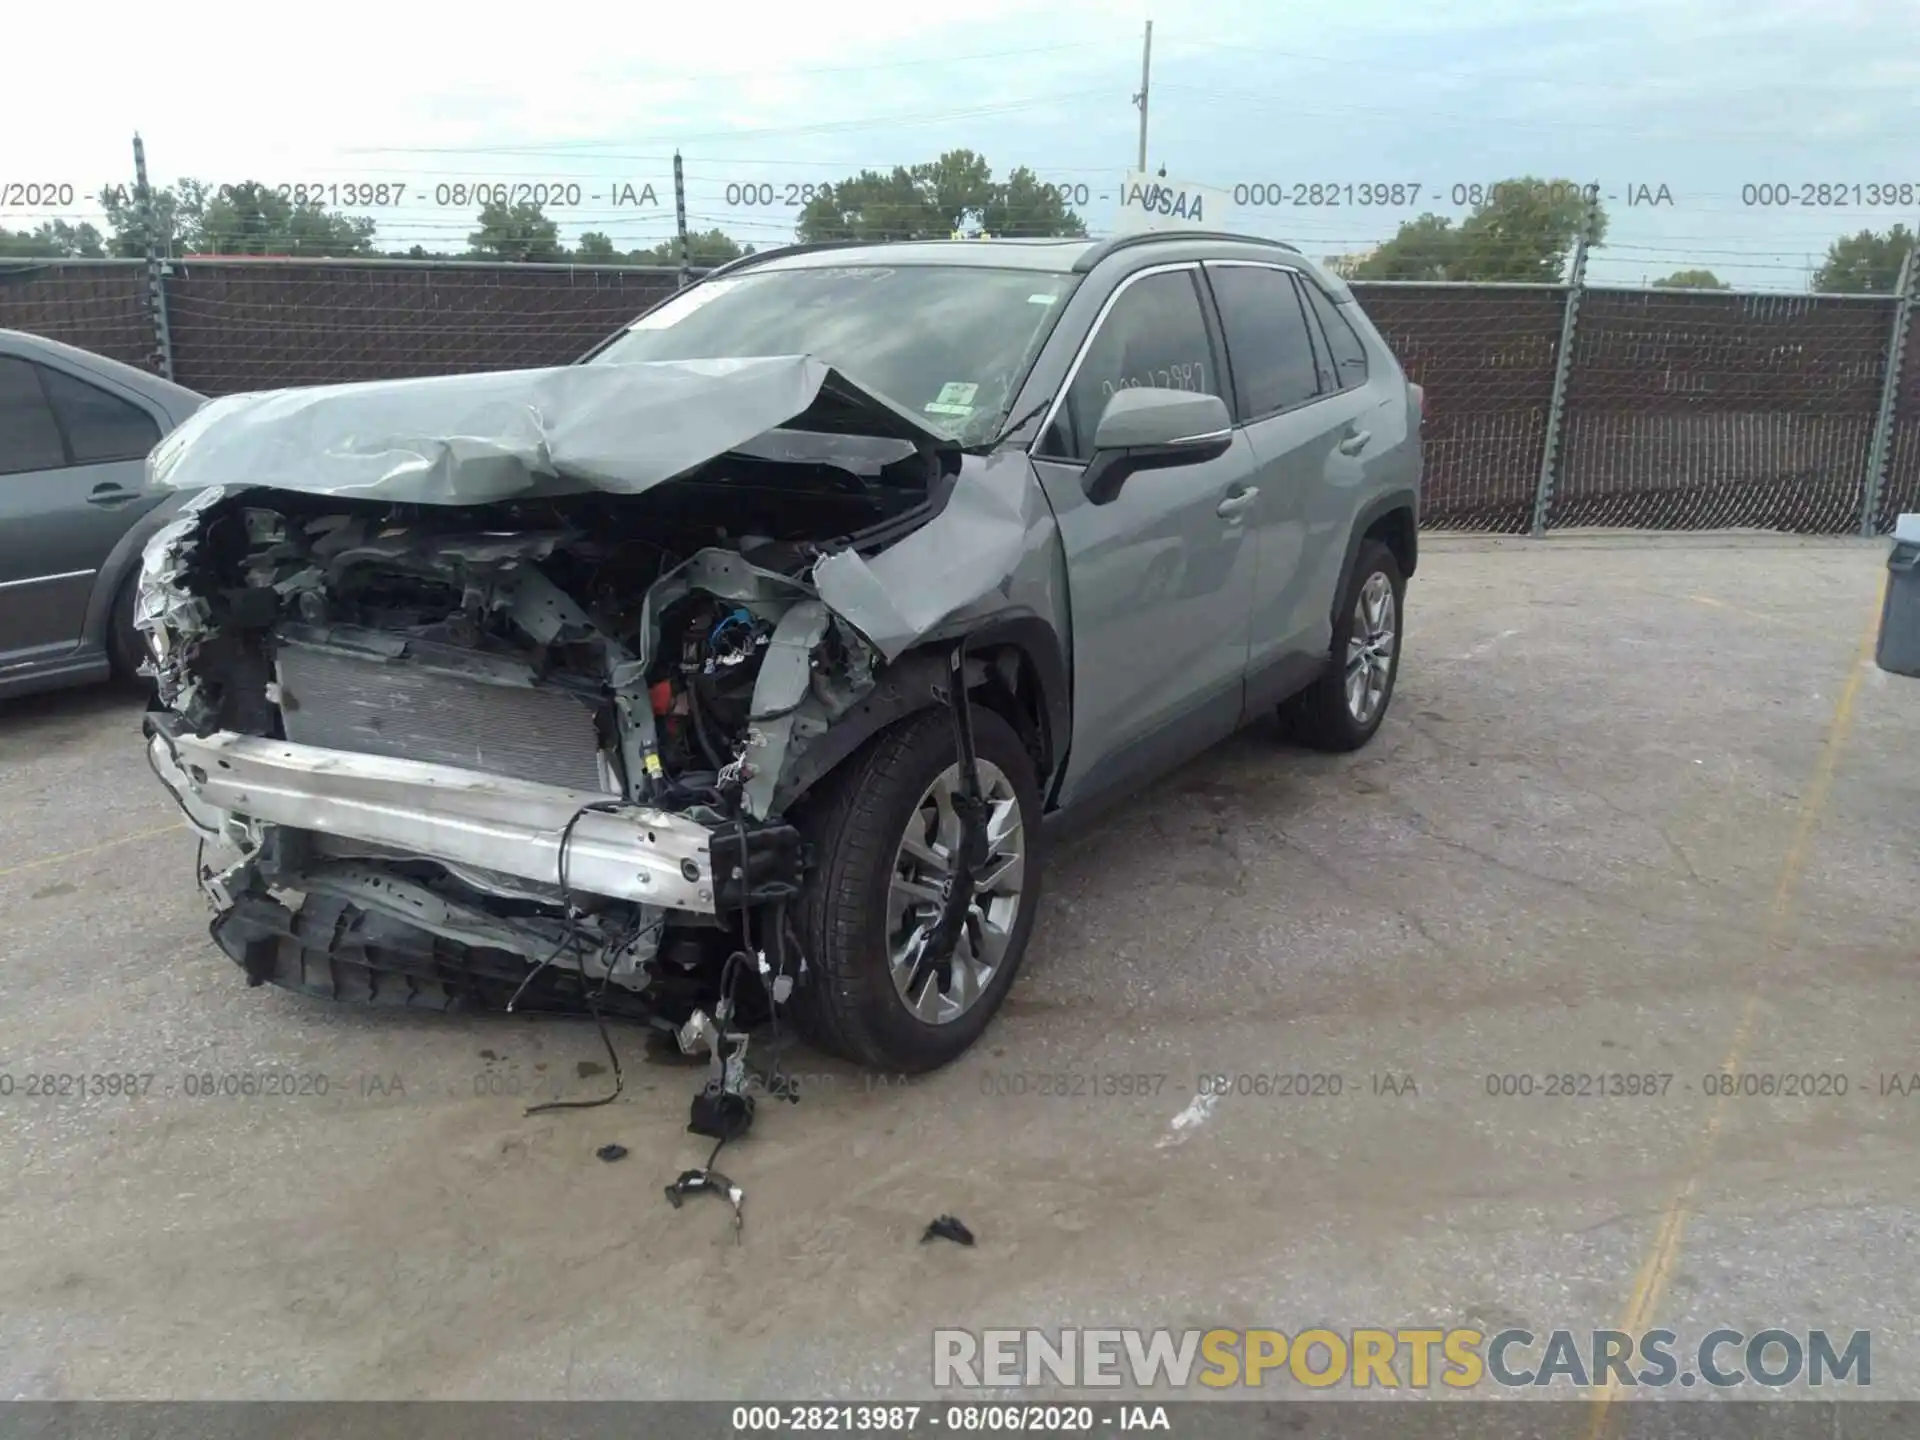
column 450, row 742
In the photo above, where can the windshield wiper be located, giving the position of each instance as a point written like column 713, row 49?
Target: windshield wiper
column 1005, row 430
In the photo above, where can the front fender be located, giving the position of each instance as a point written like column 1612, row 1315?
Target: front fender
column 917, row 681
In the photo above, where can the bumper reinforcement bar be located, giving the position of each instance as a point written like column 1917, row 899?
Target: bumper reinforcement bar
column 441, row 812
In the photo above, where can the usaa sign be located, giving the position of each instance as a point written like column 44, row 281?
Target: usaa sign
column 1153, row 202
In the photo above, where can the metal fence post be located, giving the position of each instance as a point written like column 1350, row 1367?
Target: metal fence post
column 1563, row 366
column 1879, row 450
column 680, row 217
column 156, row 270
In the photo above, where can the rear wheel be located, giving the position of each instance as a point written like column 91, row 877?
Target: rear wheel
column 1344, row 707
column 885, row 835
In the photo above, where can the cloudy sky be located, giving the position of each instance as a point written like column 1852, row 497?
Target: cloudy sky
column 1703, row 97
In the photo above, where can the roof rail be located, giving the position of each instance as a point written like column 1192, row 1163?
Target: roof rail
column 1116, row 243
column 744, row 261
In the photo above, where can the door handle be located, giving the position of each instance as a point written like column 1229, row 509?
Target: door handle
column 1355, row 442
column 1236, row 503
column 110, row 495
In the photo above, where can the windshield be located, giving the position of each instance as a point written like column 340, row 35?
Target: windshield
column 948, row 342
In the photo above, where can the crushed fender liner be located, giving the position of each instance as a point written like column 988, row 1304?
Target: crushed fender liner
column 487, row 686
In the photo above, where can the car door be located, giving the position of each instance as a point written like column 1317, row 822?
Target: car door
column 72, row 479
column 1373, row 448
column 1160, row 577
column 1290, row 403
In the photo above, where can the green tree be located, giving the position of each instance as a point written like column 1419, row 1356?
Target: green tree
column 1022, row 205
column 1522, row 231
column 176, row 210
column 934, row 199
column 705, row 248
column 1422, row 249
column 597, row 249
column 1864, row 264
column 871, row 206
column 54, row 238
column 251, row 219
column 1525, row 231
column 515, row 232
column 1691, row 280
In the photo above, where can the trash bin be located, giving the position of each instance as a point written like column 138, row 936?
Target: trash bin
column 1899, row 649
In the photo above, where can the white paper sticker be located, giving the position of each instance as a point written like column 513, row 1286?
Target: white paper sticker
column 936, row 407
column 956, row 392
column 1041, row 299
column 683, row 305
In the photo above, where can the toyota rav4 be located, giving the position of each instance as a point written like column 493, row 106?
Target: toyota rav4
column 742, row 668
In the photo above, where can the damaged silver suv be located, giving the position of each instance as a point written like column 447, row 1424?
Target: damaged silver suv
column 739, row 669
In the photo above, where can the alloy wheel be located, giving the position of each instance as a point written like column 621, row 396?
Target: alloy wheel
column 1370, row 648
column 939, row 993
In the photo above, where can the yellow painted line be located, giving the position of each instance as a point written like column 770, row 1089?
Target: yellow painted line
column 92, row 849
column 1650, row 1284
column 1731, row 609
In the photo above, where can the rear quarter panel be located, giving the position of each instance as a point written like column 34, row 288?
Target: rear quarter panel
column 1358, row 489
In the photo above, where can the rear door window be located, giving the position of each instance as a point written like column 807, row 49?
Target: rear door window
column 29, row 435
column 1268, row 343
column 99, row 426
column 1349, row 355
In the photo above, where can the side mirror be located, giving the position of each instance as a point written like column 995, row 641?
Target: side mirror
column 1150, row 429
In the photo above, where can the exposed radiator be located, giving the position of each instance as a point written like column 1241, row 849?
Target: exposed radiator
column 410, row 700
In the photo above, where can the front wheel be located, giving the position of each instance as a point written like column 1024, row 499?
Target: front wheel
column 1342, row 709
column 885, row 835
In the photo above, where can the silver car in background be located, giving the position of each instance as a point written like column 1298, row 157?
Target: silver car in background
column 75, row 509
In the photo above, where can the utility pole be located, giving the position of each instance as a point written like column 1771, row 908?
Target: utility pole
column 1146, row 71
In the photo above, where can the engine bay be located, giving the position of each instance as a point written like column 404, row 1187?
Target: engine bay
column 662, row 651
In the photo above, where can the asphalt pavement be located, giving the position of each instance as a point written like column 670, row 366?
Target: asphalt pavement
column 1643, row 806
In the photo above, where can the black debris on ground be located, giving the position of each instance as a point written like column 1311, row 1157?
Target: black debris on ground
column 948, row 1227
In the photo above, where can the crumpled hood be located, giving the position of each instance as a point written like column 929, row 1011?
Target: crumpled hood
column 475, row 439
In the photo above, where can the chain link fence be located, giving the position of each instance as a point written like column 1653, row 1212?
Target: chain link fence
column 99, row 306
column 1693, row 411
column 243, row 327
column 1485, row 356
column 1901, row 493
column 1680, row 409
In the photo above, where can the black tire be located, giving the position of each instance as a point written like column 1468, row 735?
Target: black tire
column 1319, row 716
column 848, row 1005
column 126, row 648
